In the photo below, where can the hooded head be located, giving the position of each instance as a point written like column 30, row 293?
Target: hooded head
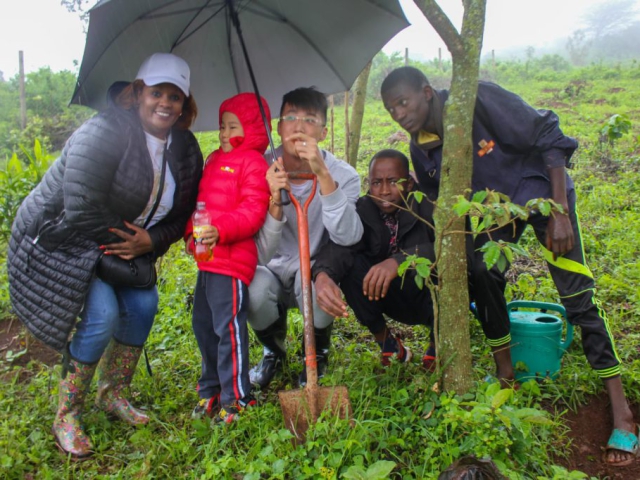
column 245, row 107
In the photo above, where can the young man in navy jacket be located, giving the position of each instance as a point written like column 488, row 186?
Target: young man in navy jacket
column 521, row 152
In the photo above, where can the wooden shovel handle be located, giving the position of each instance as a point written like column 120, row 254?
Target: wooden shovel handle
column 311, row 362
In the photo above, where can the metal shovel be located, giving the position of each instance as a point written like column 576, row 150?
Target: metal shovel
column 302, row 407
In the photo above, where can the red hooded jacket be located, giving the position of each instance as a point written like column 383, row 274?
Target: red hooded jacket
column 235, row 191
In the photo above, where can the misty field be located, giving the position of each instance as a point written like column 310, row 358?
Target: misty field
column 403, row 426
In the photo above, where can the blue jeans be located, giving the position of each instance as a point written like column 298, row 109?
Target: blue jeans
column 126, row 314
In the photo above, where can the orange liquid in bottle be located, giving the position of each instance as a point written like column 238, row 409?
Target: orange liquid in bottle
column 202, row 253
column 201, row 220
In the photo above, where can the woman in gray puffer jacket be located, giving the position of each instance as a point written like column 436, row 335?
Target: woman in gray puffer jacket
column 98, row 198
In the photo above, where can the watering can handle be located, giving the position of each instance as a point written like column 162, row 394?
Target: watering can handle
column 544, row 307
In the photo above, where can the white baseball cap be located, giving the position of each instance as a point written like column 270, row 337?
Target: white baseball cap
column 165, row 68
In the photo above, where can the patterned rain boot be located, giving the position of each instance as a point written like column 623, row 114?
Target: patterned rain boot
column 115, row 372
column 67, row 427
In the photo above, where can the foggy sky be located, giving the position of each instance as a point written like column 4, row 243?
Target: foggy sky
column 51, row 36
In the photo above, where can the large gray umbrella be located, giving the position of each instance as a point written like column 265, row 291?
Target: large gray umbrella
column 290, row 43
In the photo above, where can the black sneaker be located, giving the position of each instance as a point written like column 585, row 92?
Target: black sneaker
column 206, row 407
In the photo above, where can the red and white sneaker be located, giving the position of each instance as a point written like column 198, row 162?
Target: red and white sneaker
column 394, row 350
column 206, row 407
column 232, row 413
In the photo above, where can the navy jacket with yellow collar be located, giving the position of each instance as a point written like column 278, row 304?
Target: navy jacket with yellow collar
column 513, row 145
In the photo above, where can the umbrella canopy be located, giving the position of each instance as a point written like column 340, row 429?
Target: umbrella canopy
column 291, row 43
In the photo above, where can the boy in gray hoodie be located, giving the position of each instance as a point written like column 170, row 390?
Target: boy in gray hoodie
column 332, row 215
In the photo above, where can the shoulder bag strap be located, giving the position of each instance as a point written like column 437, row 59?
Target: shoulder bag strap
column 163, row 174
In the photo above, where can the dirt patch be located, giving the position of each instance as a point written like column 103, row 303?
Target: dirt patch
column 559, row 105
column 590, row 428
column 18, row 347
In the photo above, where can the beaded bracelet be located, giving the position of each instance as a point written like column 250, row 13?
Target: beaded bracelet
column 272, row 201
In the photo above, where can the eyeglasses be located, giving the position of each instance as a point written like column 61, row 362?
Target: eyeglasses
column 311, row 121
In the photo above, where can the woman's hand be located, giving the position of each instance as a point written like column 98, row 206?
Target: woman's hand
column 134, row 245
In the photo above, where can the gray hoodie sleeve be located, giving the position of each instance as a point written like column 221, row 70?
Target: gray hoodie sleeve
column 268, row 238
column 339, row 207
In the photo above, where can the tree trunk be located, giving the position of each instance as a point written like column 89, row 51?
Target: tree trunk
column 357, row 114
column 23, row 97
column 346, row 125
column 331, row 121
column 452, row 309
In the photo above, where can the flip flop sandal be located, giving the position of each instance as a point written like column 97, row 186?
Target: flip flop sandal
column 622, row 441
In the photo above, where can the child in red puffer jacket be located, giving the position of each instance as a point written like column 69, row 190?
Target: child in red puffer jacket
column 236, row 194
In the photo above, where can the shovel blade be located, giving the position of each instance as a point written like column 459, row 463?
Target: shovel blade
column 301, row 408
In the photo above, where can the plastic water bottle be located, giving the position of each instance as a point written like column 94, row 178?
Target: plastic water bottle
column 201, row 218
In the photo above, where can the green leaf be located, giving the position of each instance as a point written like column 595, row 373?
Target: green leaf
column 506, row 420
column 545, row 208
column 491, row 255
column 6, row 461
column 419, row 196
column 419, row 281
column 502, row 263
column 462, row 207
column 492, row 389
column 479, row 197
column 403, row 267
column 37, row 150
column 538, row 419
column 355, row 473
column 424, row 269
column 508, row 253
column 501, row 397
column 15, row 164
column 503, row 219
column 380, row 470
column 527, row 412
column 488, row 221
column 514, row 247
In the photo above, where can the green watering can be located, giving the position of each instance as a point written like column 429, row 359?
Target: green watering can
column 536, row 339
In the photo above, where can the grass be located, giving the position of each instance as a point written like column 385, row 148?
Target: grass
column 401, row 424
